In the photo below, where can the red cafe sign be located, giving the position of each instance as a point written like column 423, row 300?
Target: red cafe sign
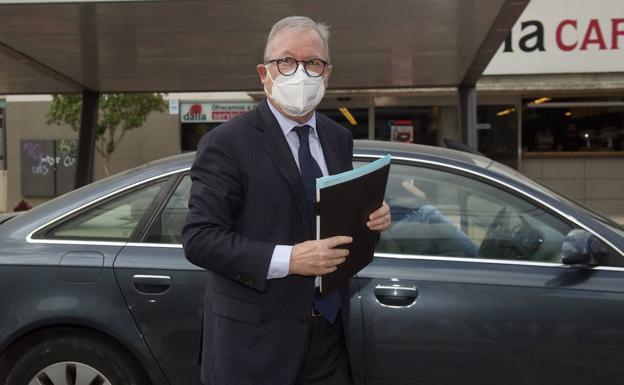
column 200, row 112
column 564, row 36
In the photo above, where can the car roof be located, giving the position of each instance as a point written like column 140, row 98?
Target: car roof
column 419, row 151
column 361, row 147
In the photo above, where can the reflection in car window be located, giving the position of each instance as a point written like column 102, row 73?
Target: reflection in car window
column 168, row 226
column 502, row 169
column 115, row 219
column 438, row 213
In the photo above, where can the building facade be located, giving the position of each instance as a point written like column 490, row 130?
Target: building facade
column 550, row 104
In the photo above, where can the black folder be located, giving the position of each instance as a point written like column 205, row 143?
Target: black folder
column 344, row 205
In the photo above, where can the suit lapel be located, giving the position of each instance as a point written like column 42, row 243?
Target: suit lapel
column 274, row 143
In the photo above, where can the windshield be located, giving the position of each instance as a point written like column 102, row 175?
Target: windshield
column 502, row 169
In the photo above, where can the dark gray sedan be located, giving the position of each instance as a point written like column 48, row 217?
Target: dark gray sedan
column 485, row 277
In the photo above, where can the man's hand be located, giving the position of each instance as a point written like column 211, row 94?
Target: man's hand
column 380, row 219
column 318, row 257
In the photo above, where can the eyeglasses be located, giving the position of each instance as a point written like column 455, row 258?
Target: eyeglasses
column 288, row 66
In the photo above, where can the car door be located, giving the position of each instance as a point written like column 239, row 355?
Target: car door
column 467, row 287
column 164, row 291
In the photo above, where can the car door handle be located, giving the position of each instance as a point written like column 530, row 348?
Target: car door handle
column 151, row 284
column 396, row 296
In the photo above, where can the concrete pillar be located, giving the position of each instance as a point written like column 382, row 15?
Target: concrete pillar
column 86, row 138
column 468, row 114
column 448, row 126
column 371, row 119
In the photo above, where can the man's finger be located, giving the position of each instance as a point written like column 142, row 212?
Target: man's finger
column 380, row 212
column 338, row 240
column 334, row 262
column 380, row 221
column 377, row 214
column 339, row 253
column 380, row 224
column 377, row 222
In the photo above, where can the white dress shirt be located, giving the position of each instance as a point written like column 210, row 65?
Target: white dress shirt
column 280, row 260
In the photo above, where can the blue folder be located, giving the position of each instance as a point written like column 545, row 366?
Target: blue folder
column 345, row 202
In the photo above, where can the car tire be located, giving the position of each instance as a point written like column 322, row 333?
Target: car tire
column 74, row 360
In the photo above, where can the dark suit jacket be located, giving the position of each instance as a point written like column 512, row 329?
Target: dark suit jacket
column 247, row 196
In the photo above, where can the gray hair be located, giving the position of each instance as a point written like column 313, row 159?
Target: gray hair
column 298, row 23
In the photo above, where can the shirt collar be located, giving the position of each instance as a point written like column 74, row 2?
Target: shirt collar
column 287, row 124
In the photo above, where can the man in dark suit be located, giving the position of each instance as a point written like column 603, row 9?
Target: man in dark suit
column 251, row 224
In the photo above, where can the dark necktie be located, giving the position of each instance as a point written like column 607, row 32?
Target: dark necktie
column 328, row 305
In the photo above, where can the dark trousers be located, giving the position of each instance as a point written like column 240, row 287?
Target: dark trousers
column 326, row 361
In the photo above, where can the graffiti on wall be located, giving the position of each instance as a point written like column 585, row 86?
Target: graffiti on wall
column 48, row 166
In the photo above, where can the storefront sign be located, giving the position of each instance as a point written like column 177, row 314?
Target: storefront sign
column 564, row 36
column 402, row 131
column 212, row 112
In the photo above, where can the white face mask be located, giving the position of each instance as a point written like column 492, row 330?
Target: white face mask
column 298, row 93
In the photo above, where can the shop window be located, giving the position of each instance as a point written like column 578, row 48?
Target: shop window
column 355, row 119
column 406, row 124
column 570, row 125
column 497, row 133
column 197, row 118
column 191, row 133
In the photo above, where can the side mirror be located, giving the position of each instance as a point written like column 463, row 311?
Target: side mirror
column 580, row 247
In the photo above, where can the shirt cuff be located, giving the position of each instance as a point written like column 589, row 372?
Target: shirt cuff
column 280, row 262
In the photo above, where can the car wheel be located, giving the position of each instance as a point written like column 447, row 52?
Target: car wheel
column 82, row 360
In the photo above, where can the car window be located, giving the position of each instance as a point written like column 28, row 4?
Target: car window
column 167, row 227
column 440, row 213
column 613, row 226
column 115, row 219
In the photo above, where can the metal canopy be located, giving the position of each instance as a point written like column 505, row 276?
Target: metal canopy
column 178, row 45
